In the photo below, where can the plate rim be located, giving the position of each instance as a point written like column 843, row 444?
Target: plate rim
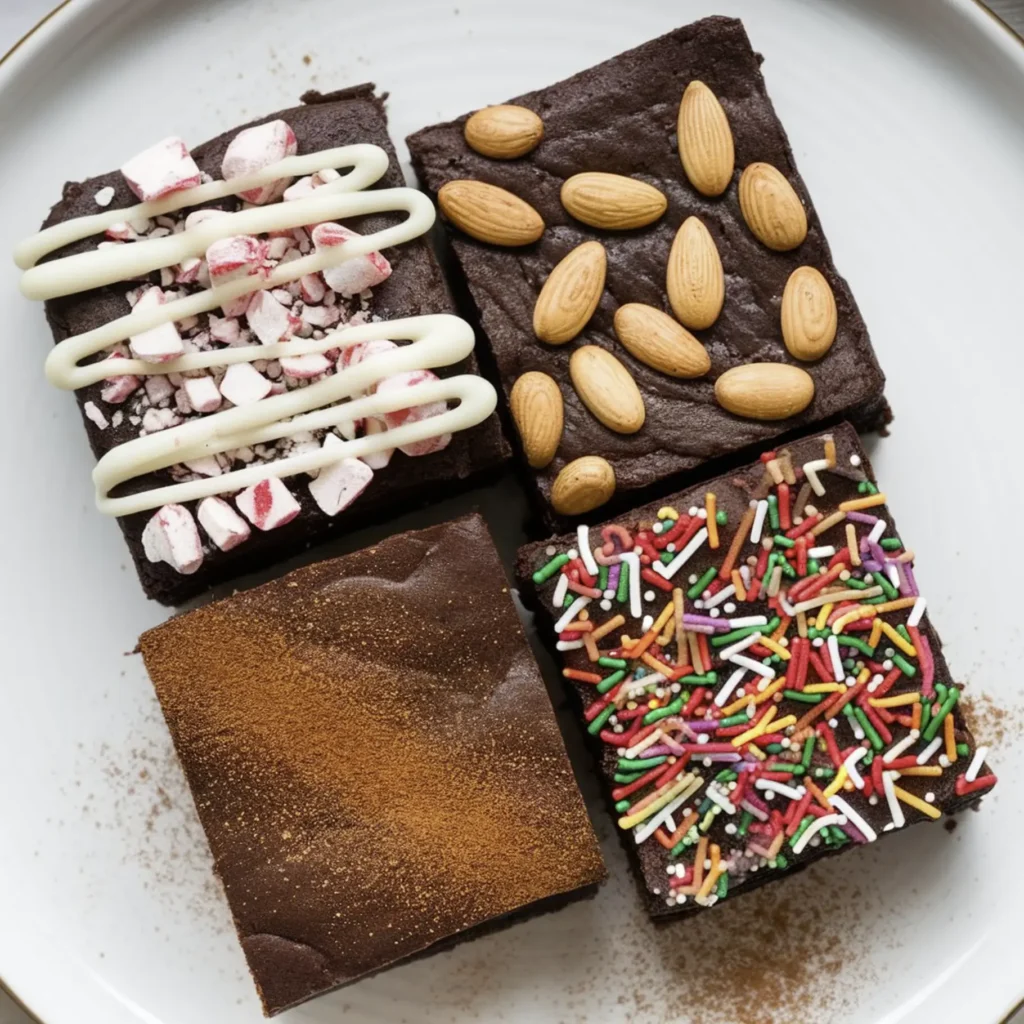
column 64, row 16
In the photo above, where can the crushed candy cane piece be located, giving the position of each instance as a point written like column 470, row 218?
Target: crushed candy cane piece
column 93, row 411
column 269, row 320
column 312, row 287
column 268, row 504
column 160, row 170
column 243, row 385
column 203, row 394
column 224, row 526
column 310, row 365
column 355, row 275
column 117, row 389
column 415, row 413
column 377, row 460
column 171, row 536
column 252, row 149
column 105, row 196
column 339, row 484
column 160, row 343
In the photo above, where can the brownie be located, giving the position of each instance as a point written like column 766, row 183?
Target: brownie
column 416, row 287
column 802, row 705
column 620, row 117
column 374, row 759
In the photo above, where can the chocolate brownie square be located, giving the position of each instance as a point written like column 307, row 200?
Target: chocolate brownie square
column 374, row 759
column 754, row 660
column 620, row 118
column 415, row 287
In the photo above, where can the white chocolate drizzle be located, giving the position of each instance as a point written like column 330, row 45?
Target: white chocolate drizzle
column 435, row 341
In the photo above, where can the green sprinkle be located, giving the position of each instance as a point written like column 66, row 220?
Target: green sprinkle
column 905, row 633
column 722, row 889
column 708, row 819
column 963, row 749
column 881, row 599
column 745, row 819
column 926, row 715
column 770, row 567
column 774, row 748
column 781, row 863
column 838, row 835
column 602, row 578
column 623, row 589
column 666, row 556
column 824, row 773
column 787, row 570
column 569, row 598
column 870, row 488
column 812, row 632
column 869, row 729
column 622, row 805
column 904, row 666
column 861, row 487
column 803, row 698
column 740, row 719
column 849, row 664
column 624, row 779
column 726, row 775
column 782, row 541
column 721, row 517
column 702, row 584
column 856, row 584
column 812, row 567
column 659, row 713
column 805, row 824
column 856, row 643
column 612, row 662
column 609, row 681
column 640, row 763
column 708, row 679
column 598, row 723
column 705, row 806
column 942, row 691
column 944, row 709
column 808, row 753
column 891, row 543
column 785, row 766
column 887, row 588
column 545, row 572
column 773, row 511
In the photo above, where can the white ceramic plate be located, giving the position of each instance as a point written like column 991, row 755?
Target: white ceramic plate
column 908, row 126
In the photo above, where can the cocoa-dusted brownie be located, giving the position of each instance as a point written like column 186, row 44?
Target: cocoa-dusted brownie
column 621, row 117
column 768, row 689
column 374, row 759
column 415, row 287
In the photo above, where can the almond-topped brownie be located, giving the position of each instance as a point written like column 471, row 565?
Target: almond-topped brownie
column 374, row 759
column 648, row 268
column 755, row 661
column 182, row 549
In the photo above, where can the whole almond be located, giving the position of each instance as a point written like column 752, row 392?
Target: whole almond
column 695, row 281
column 570, row 294
column 582, row 485
column 771, row 208
column 537, row 410
column 612, row 201
column 809, row 317
column 656, row 339
column 490, row 214
column 705, row 140
column 504, row 132
column 765, row 391
column 607, row 389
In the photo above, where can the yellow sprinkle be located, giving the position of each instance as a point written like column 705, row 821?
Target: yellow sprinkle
column 775, row 471
column 801, row 624
column 710, row 503
column 823, row 615
column 668, row 512
column 783, row 723
column 851, row 544
column 947, row 726
column 825, row 688
column 932, row 770
column 775, row 647
column 830, row 451
column 770, row 690
column 836, row 784
column 876, row 632
column 862, row 611
column 666, row 614
column 912, row 801
column 856, row 504
column 758, row 753
column 656, row 805
column 894, row 702
column 713, row 872
column 895, row 606
column 909, row 649
column 827, row 523
column 758, row 729
column 737, row 582
column 667, row 633
column 864, row 675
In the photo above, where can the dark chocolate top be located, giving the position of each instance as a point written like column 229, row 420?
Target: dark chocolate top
column 373, row 756
column 751, row 835
column 620, row 116
column 416, row 287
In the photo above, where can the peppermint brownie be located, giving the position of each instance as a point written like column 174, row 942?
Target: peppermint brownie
column 320, row 719
column 756, row 663
column 648, row 269
column 183, row 546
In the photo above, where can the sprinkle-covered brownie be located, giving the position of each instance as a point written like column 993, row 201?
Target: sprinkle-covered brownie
column 246, row 297
column 374, row 759
column 648, row 268
column 756, row 662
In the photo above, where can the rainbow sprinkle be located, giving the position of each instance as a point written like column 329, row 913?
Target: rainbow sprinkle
column 769, row 694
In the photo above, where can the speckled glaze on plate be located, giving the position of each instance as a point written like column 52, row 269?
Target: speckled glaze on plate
column 906, row 123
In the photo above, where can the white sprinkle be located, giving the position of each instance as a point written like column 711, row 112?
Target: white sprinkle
column 877, row 530
column 573, row 554
column 855, row 819
column 714, row 612
column 726, row 691
column 649, row 827
column 721, row 800
column 657, row 527
column 904, row 744
column 692, row 511
column 550, row 550
column 825, row 551
column 926, row 755
column 568, row 645
column 811, row 471
column 692, row 578
column 748, row 620
column 894, row 576
column 561, row 589
column 837, row 664
column 759, row 514
column 648, row 621
column 917, row 612
column 976, row 762
column 648, row 595
column 851, row 766
column 740, row 645
column 718, row 598
column 729, row 608
column 668, row 571
column 609, row 595
column 816, row 826
column 754, row 666
column 605, row 605
column 571, row 612
column 583, row 540
column 855, row 459
column 771, row 786
column 632, row 559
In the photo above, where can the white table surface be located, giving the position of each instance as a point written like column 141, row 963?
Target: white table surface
column 18, row 16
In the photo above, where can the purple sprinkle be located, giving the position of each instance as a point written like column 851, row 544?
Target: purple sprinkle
column 862, row 517
column 854, row 833
column 870, row 565
column 704, row 623
column 876, row 551
column 704, row 724
column 718, row 757
column 658, row 751
column 909, row 575
column 613, row 576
